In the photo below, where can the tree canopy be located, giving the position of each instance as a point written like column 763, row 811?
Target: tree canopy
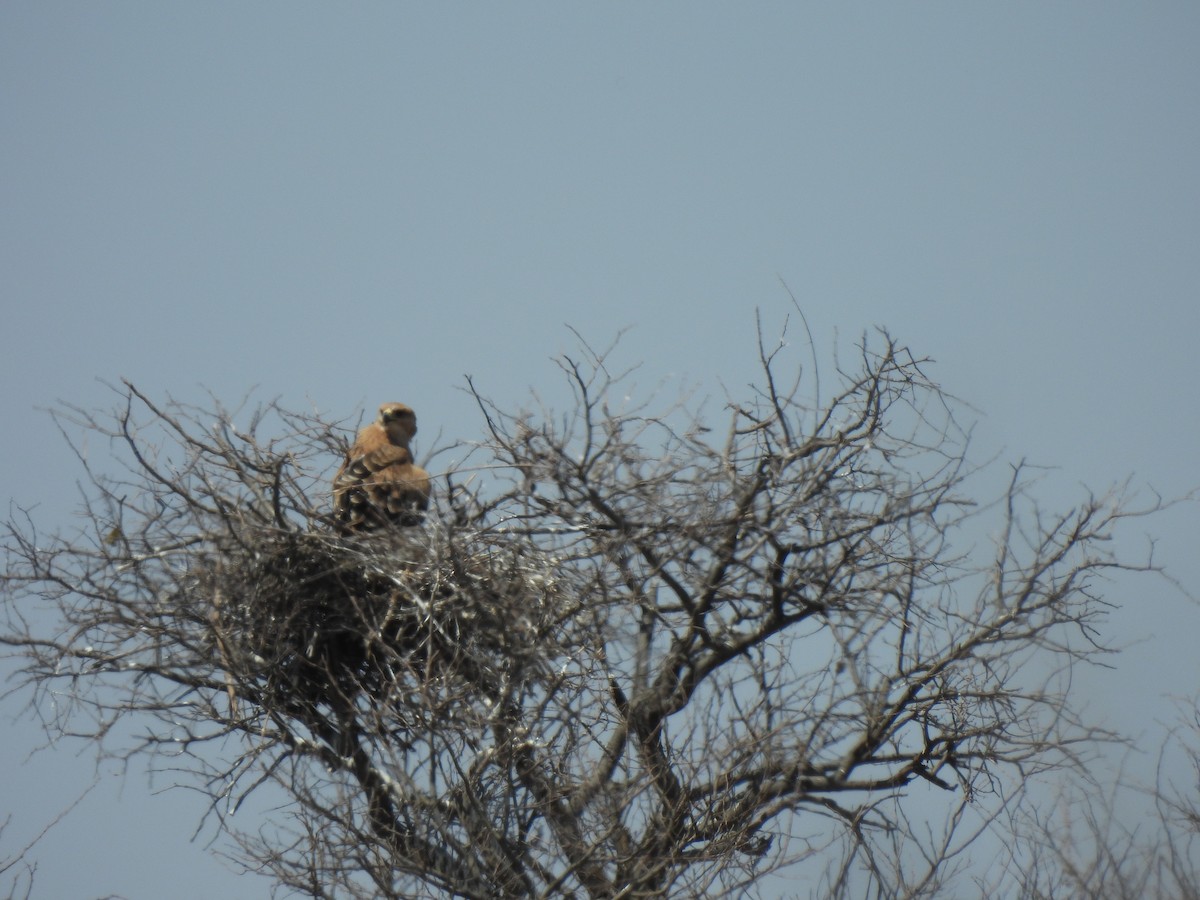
column 634, row 650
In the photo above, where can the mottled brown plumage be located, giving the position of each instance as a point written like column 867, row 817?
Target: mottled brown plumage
column 378, row 483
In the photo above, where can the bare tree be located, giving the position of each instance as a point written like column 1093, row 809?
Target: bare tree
column 1107, row 835
column 17, row 871
column 633, row 652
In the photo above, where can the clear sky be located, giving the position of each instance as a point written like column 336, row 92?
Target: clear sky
column 341, row 204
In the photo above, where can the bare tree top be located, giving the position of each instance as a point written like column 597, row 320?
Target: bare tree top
column 634, row 650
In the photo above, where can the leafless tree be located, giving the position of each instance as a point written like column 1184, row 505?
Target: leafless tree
column 633, row 651
column 15, row 870
column 1111, row 836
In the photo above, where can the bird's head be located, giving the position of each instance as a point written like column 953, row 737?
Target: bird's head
column 399, row 421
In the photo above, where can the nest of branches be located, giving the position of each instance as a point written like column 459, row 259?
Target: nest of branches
column 306, row 618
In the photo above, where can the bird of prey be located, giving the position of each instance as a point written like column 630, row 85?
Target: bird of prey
column 378, row 483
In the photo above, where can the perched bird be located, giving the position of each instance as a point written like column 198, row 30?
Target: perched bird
column 378, row 483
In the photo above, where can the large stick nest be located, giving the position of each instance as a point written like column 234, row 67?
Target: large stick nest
column 308, row 618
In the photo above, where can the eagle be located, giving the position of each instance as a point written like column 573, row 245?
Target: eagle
column 378, row 483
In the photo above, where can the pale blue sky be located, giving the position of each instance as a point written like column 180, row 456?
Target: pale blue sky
column 344, row 204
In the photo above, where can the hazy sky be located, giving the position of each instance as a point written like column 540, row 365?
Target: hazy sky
column 341, row 204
